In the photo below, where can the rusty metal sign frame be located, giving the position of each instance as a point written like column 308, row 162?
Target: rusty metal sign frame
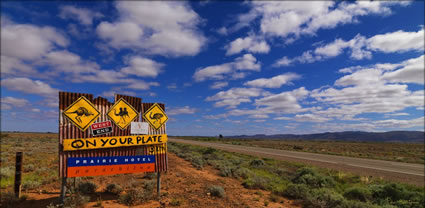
column 67, row 130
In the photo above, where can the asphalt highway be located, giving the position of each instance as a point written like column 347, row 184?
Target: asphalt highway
column 404, row 172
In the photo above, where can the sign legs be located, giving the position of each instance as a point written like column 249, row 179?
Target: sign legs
column 63, row 190
column 158, row 184
column 18, row 174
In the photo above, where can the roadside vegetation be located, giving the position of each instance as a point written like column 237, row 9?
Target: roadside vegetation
column 311, row 187
column 40, row 159
column 400, row 152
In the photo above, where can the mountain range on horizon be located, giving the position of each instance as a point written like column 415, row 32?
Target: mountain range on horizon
column 390, row 136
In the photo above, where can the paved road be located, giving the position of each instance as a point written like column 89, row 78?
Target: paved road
column 406, row 172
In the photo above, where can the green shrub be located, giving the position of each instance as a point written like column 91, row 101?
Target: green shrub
column 358, row 193
column 149, row 176
column 242, row 172
column 197, row 162
column 149, row 185
column 30, row 184
column 113, row 189
column 225, row 171
column 323, row 198
column 256, row 163
column 86, row 188
column 6, row 172
column 217, row 191
column 209, row 150
column 297, row 191
column 310, row 177
column 255, row 182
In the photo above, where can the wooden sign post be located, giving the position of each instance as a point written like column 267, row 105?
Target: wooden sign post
column 18, row 174
column 114, row 150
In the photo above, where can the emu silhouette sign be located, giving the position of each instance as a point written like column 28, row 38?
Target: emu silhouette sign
column 122, row 113
column 155, row 116
column 81, row 113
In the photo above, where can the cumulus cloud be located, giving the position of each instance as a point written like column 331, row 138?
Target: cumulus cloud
column 274, row 82
column 181, row 110
column 142, row 67
column 8, row 103
column 361, row 47
column 158, row 27
column 84, row 16
column 217, row 72
column 29, row 42
column 248, row 44
column 285, row 102
column 219, row 85
column 290, row 20
column 29, row 86
column 235, row 96
column 370, row 90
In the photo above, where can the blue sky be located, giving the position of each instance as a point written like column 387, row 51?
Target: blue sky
column 231, row 68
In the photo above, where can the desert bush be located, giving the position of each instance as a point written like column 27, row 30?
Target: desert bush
column 6, row 172
column 176, row 202
column 75, row 200
column 209, row 150
column 30, row 184
column 197, row 162
column 242, row 172
column 358, row 193
column 149, row 176
column 225, row 171
column 296, row 191
column 133, row 197
column 113, row 189
column 217, row 191
column 255, row 182
column 323, row 198
column 149, row 185
column 86, row 188
column 256, row 163
column 310, row 177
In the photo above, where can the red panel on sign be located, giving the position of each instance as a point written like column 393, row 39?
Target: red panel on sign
column 110, row 169
column 101, row 125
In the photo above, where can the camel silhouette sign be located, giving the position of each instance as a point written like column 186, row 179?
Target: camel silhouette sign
column 81, row 113
column 122, row 114
column 155, row 116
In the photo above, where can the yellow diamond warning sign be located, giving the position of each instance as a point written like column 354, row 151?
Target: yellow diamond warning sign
column 155, row 116
column 122, row 113
column 81, row 113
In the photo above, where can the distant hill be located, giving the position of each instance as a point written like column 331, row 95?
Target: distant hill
column 391, row 136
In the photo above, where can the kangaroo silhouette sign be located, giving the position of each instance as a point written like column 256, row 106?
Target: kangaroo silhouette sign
column 81, row 113
column 122, row 114
column 155, row 116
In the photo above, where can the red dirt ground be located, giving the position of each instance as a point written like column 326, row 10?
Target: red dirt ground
column 182, row 183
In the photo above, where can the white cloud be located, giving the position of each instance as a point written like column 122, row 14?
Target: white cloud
column 362, row 47
column 274, row 82
column 84, row 16
column 285, row 102
column 411, row 71
column 14, row 102
column 219, row 85
column 235, row 96
column 287, row 19
column 394, row 123
column 399, row 41
column 29, row 86
column 156, row 27
column 369, row 90
column 248, row 44
column 29, row 42
column 310, row 118
column 142, row 67
column 141, row 85
column 181, row 110
column 245, row 63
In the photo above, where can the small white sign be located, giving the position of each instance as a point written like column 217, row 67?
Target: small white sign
column 139, row 128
